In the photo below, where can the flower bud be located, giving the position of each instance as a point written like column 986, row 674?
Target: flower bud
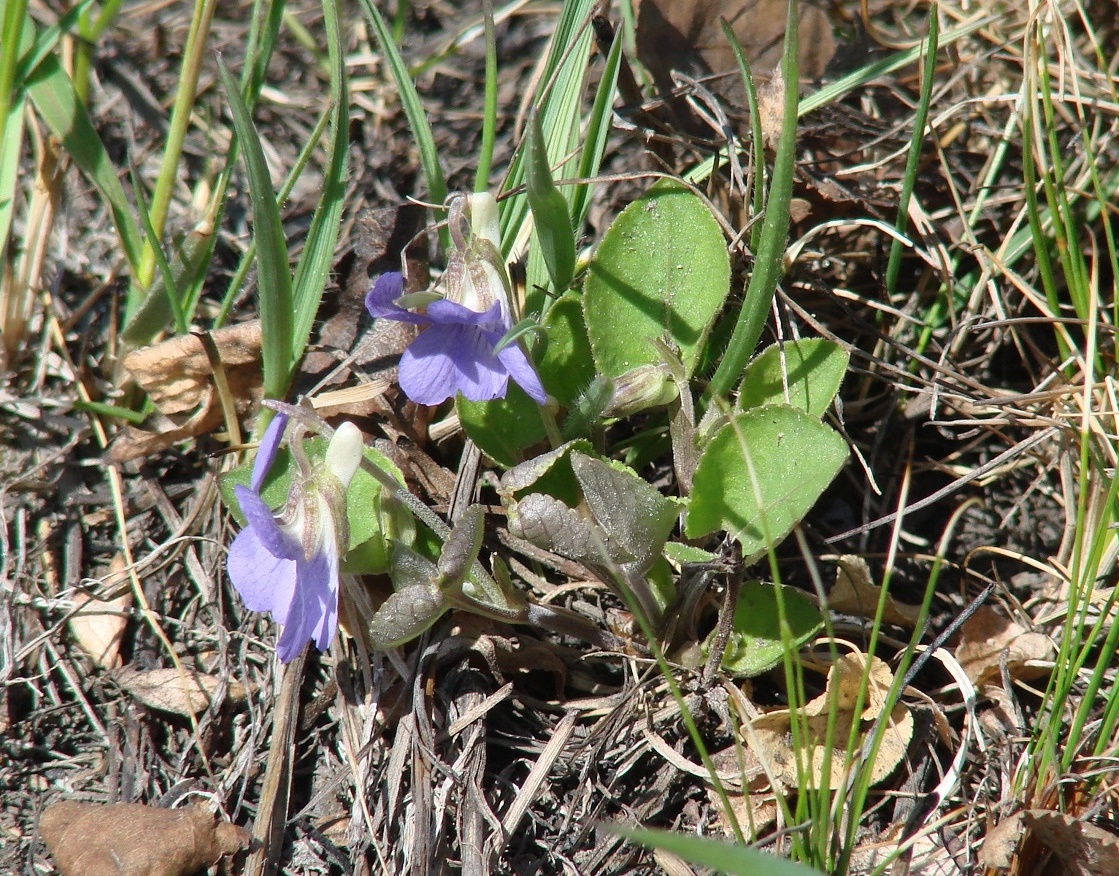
column 476, row 276
column 643, row 387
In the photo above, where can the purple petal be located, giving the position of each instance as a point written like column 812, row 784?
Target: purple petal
column 380, row 301
column 266, row 582
column 259, row 518
column 444, row 312
column 521, row 370
column 266, row 452
column 314, row 610
column 447, row 359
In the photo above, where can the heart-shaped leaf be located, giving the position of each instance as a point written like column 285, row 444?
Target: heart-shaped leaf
column 760, row 474
column 661, row 272
column 755, row 642
column 811, row 369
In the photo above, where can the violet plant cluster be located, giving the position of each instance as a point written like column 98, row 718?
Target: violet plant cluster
column 286, row 562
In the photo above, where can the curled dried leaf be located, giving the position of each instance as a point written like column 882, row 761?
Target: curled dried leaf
column 171, row 690
column 988, row 637
column 92, row 839
column 770, row 735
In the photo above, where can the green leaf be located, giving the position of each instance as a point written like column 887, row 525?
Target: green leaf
column 505, row 428
column 760, row 474
column 756, row 644
column 549, row 211
column 680, row 553
column 812, row 369
column 502, row 428
column 274, row 273
column 566, row 366
column 661, row 272
column 635, row 514
column 53, row 95
column 724, row 857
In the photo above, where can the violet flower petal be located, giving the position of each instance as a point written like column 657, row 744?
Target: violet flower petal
column 264, row 581
column 266, row 452
column 521, row 370
column 444, row 312
column 314, row 609
column 380, row 300
column 447, row 359
column 259, row 518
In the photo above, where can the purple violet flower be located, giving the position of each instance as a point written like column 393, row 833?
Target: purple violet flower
column 458, row 351
column 286, row 563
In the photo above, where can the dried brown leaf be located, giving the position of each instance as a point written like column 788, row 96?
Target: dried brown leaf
column 988, row 635
column 685, row 36
column 130, row 839
column 176, row 373
column 1001, row 843
column 1083, row 849
column 177, row 376
column 770, row 734
column 98, row 624
column 169, row 690
column 855, row 593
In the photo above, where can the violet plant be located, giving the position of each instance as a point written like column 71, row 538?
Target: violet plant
column 466, row 347
column 286, row 563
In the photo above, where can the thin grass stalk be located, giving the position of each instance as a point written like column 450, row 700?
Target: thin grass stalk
column 489, row 111
column 756, row 187
column 414, row 111
column 833, row 91
column 913, row 159
column 317, row 258
column 90, row 30
column 859, row 788
column 1064, row 223
column 237, row 281
column 197, row 38
column 1033, row 205
column 767, row 267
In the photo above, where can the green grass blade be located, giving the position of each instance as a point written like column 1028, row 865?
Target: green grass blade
column 53, row 96
column 273, row 272
column 597, row 130
column 775, row 227
column 756, row 136
column 549, row 212
column 489, row 113
column 318, row 252
column 909, row 179
column 245, row 265
column 722, row 857
column 413, row 108
column 11, row 150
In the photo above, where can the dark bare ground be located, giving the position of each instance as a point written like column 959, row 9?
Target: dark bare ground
column 489, row 748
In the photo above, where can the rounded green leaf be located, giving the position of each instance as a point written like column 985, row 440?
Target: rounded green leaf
column 812, row 369
column 761, row 473
column 661, row 272
column 755, row 642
